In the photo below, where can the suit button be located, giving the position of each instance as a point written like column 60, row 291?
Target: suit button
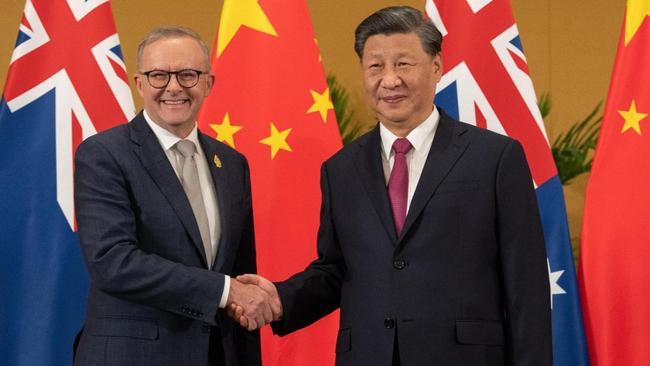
column 389, row 323
column 399, row 264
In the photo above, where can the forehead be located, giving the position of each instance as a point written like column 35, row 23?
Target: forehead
column 398, row 44
column 172, row 52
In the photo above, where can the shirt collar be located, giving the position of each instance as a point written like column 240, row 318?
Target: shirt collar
column 167, row 139
column 417, row 137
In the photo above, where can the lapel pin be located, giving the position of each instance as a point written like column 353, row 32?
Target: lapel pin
column 217, row 161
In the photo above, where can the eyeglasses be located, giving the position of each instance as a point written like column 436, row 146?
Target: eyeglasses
column 186, row 78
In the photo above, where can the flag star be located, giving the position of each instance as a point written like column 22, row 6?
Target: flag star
column 322, row 103
column 636, row 12
column 632, row 118
column 277, row 140
column 553, row 278
column 225, row 131
column 238, row 13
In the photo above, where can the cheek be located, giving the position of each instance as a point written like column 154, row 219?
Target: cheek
column 423, row 83
column 433, row 74
column 199, row 94
column 370, row 95
column 151, row 95
column 425, row 94
column 370, row 85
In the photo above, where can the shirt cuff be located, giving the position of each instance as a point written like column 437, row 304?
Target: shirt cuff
column 224, row 294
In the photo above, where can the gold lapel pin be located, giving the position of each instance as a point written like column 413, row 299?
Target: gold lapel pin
column 217, row 161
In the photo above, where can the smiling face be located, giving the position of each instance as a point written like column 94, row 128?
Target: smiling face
column 174, row 107
column 399, row 80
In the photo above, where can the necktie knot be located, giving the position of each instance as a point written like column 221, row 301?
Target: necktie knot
column 402, row 145
column 186, row 148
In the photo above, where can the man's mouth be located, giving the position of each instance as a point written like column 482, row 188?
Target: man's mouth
column 174, row 102
column 392, row 99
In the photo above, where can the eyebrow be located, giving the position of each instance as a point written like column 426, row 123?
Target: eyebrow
column 379, row 54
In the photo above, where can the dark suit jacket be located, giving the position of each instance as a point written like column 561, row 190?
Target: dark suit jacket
column 152, row 300
column 465, row 283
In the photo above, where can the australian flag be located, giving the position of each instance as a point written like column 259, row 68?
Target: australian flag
column 487, row 83
column 66, row 81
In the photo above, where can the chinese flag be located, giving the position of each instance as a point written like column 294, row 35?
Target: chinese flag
column 615, row 250
column 271, row 102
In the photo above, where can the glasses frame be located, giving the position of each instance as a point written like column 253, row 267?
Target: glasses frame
column 175, row 74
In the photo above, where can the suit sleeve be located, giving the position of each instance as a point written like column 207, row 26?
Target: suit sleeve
column 310, row 295
column 248, row 343
column 106, row 218
column 523, row 262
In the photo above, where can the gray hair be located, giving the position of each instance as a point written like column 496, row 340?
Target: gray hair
column 171, row 32
column 398, row 19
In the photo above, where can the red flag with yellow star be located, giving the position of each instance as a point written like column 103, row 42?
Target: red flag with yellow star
column 615, row 252
column 271, row 102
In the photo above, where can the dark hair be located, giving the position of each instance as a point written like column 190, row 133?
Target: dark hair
column 399, row 19
column 169, row 32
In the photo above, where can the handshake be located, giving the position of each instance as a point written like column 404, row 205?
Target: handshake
column 253, row 301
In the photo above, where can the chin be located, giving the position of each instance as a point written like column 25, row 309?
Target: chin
column 176, row 118
column 395, row 117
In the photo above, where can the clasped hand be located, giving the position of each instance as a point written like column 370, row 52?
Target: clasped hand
column 253, row 301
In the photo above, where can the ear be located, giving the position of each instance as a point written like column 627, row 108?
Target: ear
column 437, row 66
column 139, row 80
column 210, row 82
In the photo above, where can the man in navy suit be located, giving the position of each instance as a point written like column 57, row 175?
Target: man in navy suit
column 164, row 217
column 430, row 240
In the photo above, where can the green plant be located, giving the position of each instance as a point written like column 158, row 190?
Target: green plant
column 348, row 127
column 573, row 150
column 544, row 104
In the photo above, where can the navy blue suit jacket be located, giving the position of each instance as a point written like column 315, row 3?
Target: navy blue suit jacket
column 465, row 283
column 152, row 299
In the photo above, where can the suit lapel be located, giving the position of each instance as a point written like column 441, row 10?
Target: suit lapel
column 220, row 180
column 369, row 167
column 154, row 160
column 449, row 143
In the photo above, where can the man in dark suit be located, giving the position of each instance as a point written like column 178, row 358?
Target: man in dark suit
column 430, row 240
column 164, row 217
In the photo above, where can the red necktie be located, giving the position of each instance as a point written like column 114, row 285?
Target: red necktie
column 398, row 183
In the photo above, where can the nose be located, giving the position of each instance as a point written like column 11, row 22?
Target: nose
column 173, row 85
column 390, row 79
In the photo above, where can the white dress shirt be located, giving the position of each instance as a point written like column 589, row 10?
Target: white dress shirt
column 421, row 139
column 167, row 141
